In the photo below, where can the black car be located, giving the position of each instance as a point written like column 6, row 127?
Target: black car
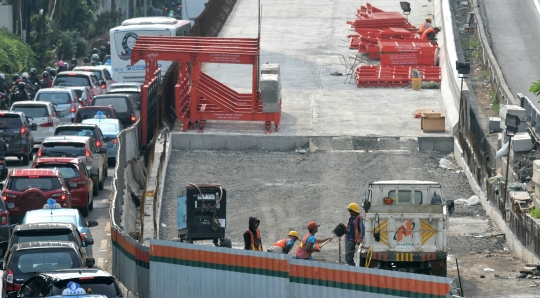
column 134, row 91
column 4, row 223
column 46, row 284
column 26, row 259
column 15, row 130
column 50, row 231
column 83, row 129
column 124, row 104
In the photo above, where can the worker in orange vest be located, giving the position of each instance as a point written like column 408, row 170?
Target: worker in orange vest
column 284, row 246
column 356, row 233
column 309, row 244
column 252, row 236
column 431, row 34
column 425, row 25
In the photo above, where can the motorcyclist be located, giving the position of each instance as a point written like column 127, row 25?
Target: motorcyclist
column 178, row 13
column 52, row 74
column 34, row 76
column 45, row 81
column 3, row 85
column 73, row 63
column 94, row 51
column 61, row 66
column 102, row 54
column 95, row 59
column 31, row 89
column 20, row 93
column 3, row 150
column 14, row 81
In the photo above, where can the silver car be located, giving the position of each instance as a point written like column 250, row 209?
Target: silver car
column 43, row 114
column 65, row 100
column 82, row 147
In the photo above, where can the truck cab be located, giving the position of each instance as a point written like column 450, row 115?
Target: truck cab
column 406, row 224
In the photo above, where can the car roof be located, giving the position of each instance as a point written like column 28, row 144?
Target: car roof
column 11, row 112
column 58, row 211
column 74, row 73
column 43, row 244
column 86, row 68
column 99, row 120
column 111, row 95
column 35, row 172
column 46, row 226
column 124, row 89
column 55, row 89
column 95, row 108
column 76, row 125
column 57, row 160
column 31, row 102
column 73, row 139
column 76, row 273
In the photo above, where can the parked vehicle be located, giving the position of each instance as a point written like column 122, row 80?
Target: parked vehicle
column 24, row 260
column 43, row 114
column 83, row 129
column 110, row 128
column 80, row 78
column 406, row 224
column 52, row 283
column 124, row 105
column 29, row 189
column 15, row 130
column 83, row 148
column 91, row 112
column 101, row 72
column 78, row 178
column 65, row 101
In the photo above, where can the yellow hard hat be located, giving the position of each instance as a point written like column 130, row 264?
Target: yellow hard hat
column 353, row 207
column 294, row 233
column 429, row 19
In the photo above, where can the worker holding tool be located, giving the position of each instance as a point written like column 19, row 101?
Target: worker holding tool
column 309, row 244
column 355, row 235
column 425, row 25
column 284, row 246
column 431, row 34
column 252, row 236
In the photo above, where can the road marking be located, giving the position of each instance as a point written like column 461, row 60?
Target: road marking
column 537, row 5
column 108, row 227
column 100, row 262
column 103, row 244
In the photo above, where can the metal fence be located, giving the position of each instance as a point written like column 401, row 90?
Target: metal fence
column 208, row 271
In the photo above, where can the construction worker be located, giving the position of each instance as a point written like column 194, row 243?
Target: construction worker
column 431, row 34
column 252, row 236
column 355, row 235
column 309, row 244
column 425, row 25
column 284, row 246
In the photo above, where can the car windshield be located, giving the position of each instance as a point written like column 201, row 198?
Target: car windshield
column 98, row 285
column 91, row 114
column 41, row 260
column 21, row 184
column 98, row 74
column 54, row 98
column 75, row 131
column 51, row 218
column 8, row 121
column 108, row 128
column 118, row 103
column 67, row 149
column 68, row 171
column 33, row 111
column 71, row 81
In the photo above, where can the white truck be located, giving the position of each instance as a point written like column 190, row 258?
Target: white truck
column 406, row 224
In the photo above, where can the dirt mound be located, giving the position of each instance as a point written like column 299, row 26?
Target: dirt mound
column 98, row 41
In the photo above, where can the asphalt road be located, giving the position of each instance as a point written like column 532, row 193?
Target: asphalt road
column 513, row 30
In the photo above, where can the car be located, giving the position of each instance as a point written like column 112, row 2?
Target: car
column 101, row 72
column 76, row 175
column 42, row 113
column 134, row 91
column 24, row 260
column 90, row 112
column 65, row 101
column 125, row 85
column 29, row 189
column 84, row 148
column 69, row 282
column 124, row 104
column 110, row 128
column 4, row 223
column 65, row 215
column 83, row 93
column 15, row 129
column 83, row 129
column 80, row 78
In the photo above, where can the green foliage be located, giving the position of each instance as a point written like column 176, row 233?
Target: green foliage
column 474, row 43
column 105, row 21
column 535, row 88
column 74, row 15
column 69, row 43
column 535, row 212
column 15, row 55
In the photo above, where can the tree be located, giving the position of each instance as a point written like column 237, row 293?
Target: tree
column 15, row 55
column 535, row 88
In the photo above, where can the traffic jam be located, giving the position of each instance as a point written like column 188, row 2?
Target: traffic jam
column 65, row 139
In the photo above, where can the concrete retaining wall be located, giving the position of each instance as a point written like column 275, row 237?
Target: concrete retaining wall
column 187, row 141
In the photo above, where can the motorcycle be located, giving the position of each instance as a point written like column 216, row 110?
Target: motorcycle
column 4, row 101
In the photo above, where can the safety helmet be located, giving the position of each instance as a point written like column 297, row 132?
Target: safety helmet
column 33, row 71
column 103, row 49
column 22, row 85
column 25, row 75
column 16, row 77
column 429, row 20
column 2, row 76
column 66, row 65
column 94, row 51
column 353, row 207
column 438, row 29
column 45, row 75
column 60, row 63
column 95, row 57
column 52, row 72
column 294, row 233
column 86, row 60
column 48, row 68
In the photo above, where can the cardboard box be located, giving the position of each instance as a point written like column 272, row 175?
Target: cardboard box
column 432, row 122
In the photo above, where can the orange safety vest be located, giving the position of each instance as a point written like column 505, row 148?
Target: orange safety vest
column 424, row 35
column 281, row 243
column 357, row 232
column 253, row 247
column 421, row 28
column 301, row 252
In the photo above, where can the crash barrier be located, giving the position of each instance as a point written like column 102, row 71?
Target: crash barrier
column 211, row 20
column 148, row 113
column 533, row 115
column 208, row 271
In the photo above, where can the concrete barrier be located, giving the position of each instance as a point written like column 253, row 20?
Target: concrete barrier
column 187, row 141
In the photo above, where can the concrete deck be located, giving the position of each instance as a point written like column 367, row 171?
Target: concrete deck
column 307, row 38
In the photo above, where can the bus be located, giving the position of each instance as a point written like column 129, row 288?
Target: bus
column 123, row 40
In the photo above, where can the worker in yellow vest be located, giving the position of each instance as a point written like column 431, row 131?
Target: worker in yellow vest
column 284, row 246
column 252, row 236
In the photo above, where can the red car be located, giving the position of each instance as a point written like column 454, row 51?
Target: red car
column 29, row 189
column 76, row 175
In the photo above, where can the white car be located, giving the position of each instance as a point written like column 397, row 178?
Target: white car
column 43, row 114
column 65, row 100
column 101, row 72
